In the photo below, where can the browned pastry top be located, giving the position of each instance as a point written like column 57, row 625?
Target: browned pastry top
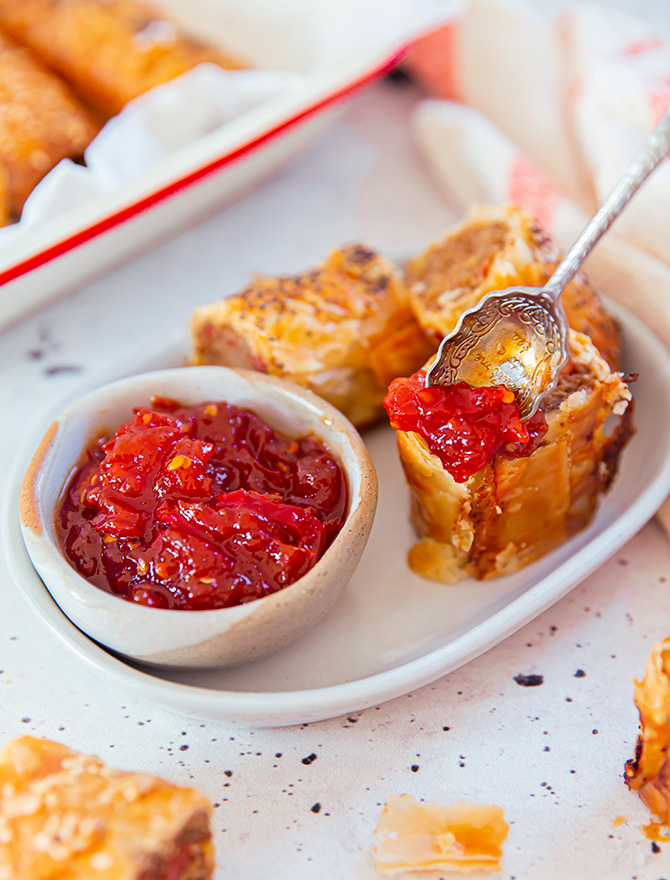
column 340, row 314
column 343, row 330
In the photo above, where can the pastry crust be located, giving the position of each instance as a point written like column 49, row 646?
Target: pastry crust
column 413, row 836
column 515, row 510
column 64, row 814
column 344, row 330
column 110, row 51
column 648, row 772
column 493, row 248
column 41, row 122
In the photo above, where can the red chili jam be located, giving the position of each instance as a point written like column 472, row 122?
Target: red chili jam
column 463, row 426
column 199, row 507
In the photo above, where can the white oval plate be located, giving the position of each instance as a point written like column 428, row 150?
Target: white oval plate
column 391, row 631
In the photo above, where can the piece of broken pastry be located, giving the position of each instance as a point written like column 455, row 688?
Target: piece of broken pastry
column 490, row 493
column 67, row 815
column 648, row 772
column 499, row 246
column 344, row 330
column 413, row 836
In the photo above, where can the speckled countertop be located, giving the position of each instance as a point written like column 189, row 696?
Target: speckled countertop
column 303, row 802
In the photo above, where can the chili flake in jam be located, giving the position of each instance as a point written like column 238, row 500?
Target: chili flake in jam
column 463, row 426
column 199, row 507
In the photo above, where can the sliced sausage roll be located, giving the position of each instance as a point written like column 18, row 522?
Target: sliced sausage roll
column 493, row 248
column 343, row 330
column 512, row 510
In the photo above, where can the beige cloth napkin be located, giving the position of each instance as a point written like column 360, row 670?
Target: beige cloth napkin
column 548, row 114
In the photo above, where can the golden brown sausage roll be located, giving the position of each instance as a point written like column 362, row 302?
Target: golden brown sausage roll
column 513, row 510
column 110, row 51
column 41, row 122
column 493, row 248
column 343, row 330
column 67, row 815
column 648, row 772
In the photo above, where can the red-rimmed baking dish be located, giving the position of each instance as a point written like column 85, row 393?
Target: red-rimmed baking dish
column 335, row 47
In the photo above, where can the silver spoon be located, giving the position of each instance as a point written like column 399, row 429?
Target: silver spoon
column 518, row 337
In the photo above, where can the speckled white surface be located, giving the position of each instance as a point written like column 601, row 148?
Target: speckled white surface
column 552, row 755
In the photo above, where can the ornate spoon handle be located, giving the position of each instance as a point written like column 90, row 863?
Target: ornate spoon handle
column 648, row 157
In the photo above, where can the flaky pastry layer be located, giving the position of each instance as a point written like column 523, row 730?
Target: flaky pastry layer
column 413, row 836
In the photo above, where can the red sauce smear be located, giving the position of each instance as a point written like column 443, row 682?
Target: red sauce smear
column 463, row 426
column 199, row 507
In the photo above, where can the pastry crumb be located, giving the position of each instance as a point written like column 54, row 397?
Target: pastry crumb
column 414, row 836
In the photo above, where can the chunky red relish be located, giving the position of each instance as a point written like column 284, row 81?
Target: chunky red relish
column 199, row 507
column 463, row 426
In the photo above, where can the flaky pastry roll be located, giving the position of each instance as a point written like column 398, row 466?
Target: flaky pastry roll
column 344, row 330
column 648, row 772
column 110, row 51
column 493, row 248
column 515, row 510
column 41, row 122
column 67, row 815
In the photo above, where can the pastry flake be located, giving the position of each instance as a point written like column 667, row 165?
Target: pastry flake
column 648, row 772
column 413, row 836
column 61, row 810
column 344, row 330
column 493, row 248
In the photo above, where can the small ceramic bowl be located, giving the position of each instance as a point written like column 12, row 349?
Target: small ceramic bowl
column 192, row 639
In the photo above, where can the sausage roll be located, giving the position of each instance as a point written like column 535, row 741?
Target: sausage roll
column 513, row 510
column 63, row 814
column 343, row 330
column 41, row 122
column 110, row 51
column 648, row 772
column 493, row 248
column 413, row 836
